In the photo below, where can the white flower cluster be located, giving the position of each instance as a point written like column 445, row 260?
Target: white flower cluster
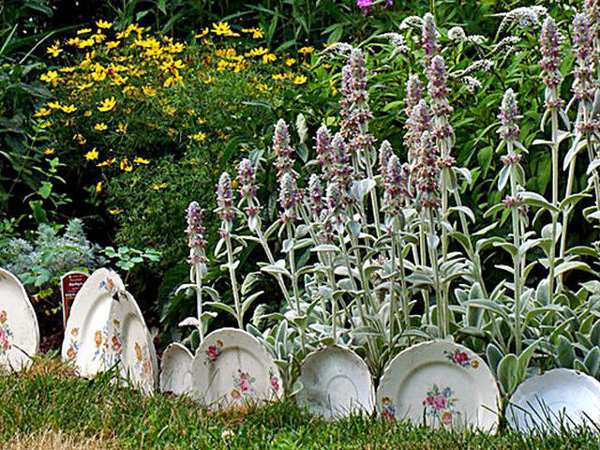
column 399, row 43
column 472, row 83
column 525, row 17
column 411, row 22
column 457, row 34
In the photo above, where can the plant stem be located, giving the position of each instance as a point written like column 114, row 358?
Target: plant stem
column 234, row 285
column 199, row 300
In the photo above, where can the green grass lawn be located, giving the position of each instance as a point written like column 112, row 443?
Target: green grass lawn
column 47, row 407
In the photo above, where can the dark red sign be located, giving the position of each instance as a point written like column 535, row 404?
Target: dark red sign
column 70, row 284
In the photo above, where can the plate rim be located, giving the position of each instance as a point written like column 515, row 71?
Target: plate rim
column 361, row 362
column 6, row 275
column 182, row 349
column 197, row 366
column 533, row 382
column 493, row 410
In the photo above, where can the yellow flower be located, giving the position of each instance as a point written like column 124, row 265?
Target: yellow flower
column 170, row 110
column 48, row 151
column 92, row 155
column 124, row 165
column 108, row 162
column 201, row 121
column 257, row 33
column 223, row 29
column 149, row 91
column 115, row 211
column 306, row 50
column 300, row 79
column 262, row 87
column 278, row 76
column 98, row 38
column 290, row 61
column 69, row 109
column 84, row 31
column 203, row 33
column 122, row 128
column 88, row 113
column 108, row 104
column 54, row 50
column 79, row 138
column 208, row 80
column 257, row 51
column 100, row 126
column 51, row 77
column 199, row 136
column 334, row 90
column 159, row 186
column 139, row 160
column 112, row 44
column 68, row 69
column 99, row 187
column 54, row 105
column 42, row 112
column 73, row 41
column 104, row 24
column 269, row 57
column 86, row 43
column 45, row 124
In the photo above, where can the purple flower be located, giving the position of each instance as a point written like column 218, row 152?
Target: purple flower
column 247, row 187
column 364, row 3
column 195, row 233
column 354, row 109
column 418, row 122
column 282, row 148
column 429, row 39
column 509, row 118
column 428, row 172
column 315, row 195
column 225, row 203
column 584, row 86
column 385, row 153
column 396, row 186
column 289, row 195
column 550, row 49
column 414, row 93
column 324, row 151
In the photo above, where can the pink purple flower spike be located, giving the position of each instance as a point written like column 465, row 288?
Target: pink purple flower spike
column 195, row 233
column 429, row 39
column 550, row 49
column 509, row 118
column 289, row 195
column 225, row 203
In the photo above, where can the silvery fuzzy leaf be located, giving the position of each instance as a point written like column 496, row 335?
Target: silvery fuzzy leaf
column 433, row 240
column 325, row 248
column 185, row 286
column 190, row 322
column 354, row 228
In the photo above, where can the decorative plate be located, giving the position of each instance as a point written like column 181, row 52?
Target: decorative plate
column 558, row 398
column 88, row 336
column 439, row 384
column 19, row 331
column 132, row 343
column 336, row 382
column 232, row 368
column 176, row 369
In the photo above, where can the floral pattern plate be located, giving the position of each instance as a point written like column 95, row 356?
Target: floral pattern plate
column 558, row 398
column 336, row 382
column 88, row 343
column 176, row 369
column 440, row 384
column 19, row 331
column 232, row 368
column 132, row 343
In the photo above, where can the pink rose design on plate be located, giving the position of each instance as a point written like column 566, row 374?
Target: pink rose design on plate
column 4, row 339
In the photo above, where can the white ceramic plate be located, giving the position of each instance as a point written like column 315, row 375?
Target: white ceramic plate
column 564, row 397
column 439, row 384
column 19, row 331
column 176, row 369
column 88, row 335
column 231, row 368
column 336, row 382
column 131, row 340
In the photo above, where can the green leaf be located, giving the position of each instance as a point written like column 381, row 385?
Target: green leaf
column 508, row 373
